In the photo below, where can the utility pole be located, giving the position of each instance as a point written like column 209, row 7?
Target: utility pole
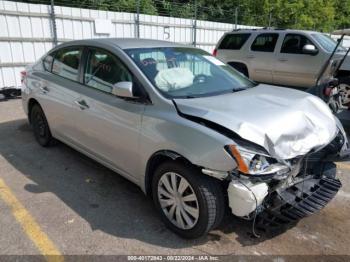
column 194, row 40
column 53, row 21
column 137, row 19
column 236, row 17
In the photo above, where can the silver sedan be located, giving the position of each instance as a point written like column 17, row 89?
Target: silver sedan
column 192, row 132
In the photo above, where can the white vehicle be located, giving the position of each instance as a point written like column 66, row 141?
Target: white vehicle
column 281, row 57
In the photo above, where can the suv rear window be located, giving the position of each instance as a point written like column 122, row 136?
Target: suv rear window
column 265, row 43
column 233, row 41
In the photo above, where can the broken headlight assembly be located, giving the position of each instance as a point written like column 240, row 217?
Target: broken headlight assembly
column 250, row 162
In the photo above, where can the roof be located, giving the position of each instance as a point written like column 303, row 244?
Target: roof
column 273, row 30
column 129, row 43
column 342, row 32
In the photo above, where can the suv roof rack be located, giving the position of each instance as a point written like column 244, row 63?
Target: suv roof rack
column 272, row 28
column 255, row 29
column 241, row 29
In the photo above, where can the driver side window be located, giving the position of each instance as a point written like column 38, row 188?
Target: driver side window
column 294, row 43
column 103, row 70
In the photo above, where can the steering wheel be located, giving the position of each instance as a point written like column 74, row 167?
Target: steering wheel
column 201, row 78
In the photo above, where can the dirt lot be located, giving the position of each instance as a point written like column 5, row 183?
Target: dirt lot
column 80, row 207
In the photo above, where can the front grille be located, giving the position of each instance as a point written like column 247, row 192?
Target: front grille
column 300, row 200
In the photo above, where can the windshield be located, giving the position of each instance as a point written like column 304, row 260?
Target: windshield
column 327, row 43
column 187, row 72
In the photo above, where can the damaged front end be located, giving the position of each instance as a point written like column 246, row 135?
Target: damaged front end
column 288, row 190
column 284, row 143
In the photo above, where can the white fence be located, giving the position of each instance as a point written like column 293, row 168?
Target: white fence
column 26, row 32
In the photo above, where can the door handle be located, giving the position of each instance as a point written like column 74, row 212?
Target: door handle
column 250, row 56
column 282, row 59
column 44, row 89
column 82, row 104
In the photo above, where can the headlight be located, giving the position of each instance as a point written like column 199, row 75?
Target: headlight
column 254, row 163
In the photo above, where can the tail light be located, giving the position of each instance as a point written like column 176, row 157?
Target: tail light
column 23, row 76
column 328, row 91
column 215, row 52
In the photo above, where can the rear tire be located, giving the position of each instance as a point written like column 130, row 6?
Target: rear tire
column 195, row 206
column 40, row 126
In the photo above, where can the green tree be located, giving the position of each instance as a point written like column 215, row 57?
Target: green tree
column 342, row 14
column 321, row 15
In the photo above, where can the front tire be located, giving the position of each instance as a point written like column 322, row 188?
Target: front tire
column 189, row 203
column 40, row 126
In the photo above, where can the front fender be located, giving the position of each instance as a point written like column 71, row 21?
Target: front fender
column 198, row 144
column 343, row 153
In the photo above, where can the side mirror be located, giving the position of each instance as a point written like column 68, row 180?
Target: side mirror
column 310, row 50
column 123, row 89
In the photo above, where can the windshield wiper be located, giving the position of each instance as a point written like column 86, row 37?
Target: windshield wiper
column 189, row 96
column 236, row 89
column 185, row 97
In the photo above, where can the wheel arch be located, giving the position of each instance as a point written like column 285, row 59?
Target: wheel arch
column 155, row 160
column 240, row 66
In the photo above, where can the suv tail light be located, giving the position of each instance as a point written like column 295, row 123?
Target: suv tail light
column 23, row 76
column 328, row 91
column 215, row 52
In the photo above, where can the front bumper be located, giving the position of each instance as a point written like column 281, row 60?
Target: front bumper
column 275, row 206
column 298, row 201
column 276, row 201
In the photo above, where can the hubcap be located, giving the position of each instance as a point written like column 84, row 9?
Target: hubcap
column 344, row 90
column 178, row 200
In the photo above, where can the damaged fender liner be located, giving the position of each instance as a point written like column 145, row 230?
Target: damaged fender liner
column 298, row 201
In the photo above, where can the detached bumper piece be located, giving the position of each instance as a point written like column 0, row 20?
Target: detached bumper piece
column 286, row 208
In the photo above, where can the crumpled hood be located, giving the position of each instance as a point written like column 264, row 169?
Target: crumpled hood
column 286, row 122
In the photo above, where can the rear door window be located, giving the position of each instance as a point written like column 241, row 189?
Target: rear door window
column 294, row 43
column 47, row 62
column 233, row 41
column 265, row 43
column 66, row 63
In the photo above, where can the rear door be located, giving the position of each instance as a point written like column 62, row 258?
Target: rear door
column 292, row 67
column 58, row 87
column 109, row 126
column 261, row 57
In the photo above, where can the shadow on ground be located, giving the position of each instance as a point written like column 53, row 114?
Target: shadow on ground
column 107, row 201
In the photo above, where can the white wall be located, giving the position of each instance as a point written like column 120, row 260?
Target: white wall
column 26, row 32
column 346, row 40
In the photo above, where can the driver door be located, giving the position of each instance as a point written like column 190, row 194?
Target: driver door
column 294, row 68
column 109, row 126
